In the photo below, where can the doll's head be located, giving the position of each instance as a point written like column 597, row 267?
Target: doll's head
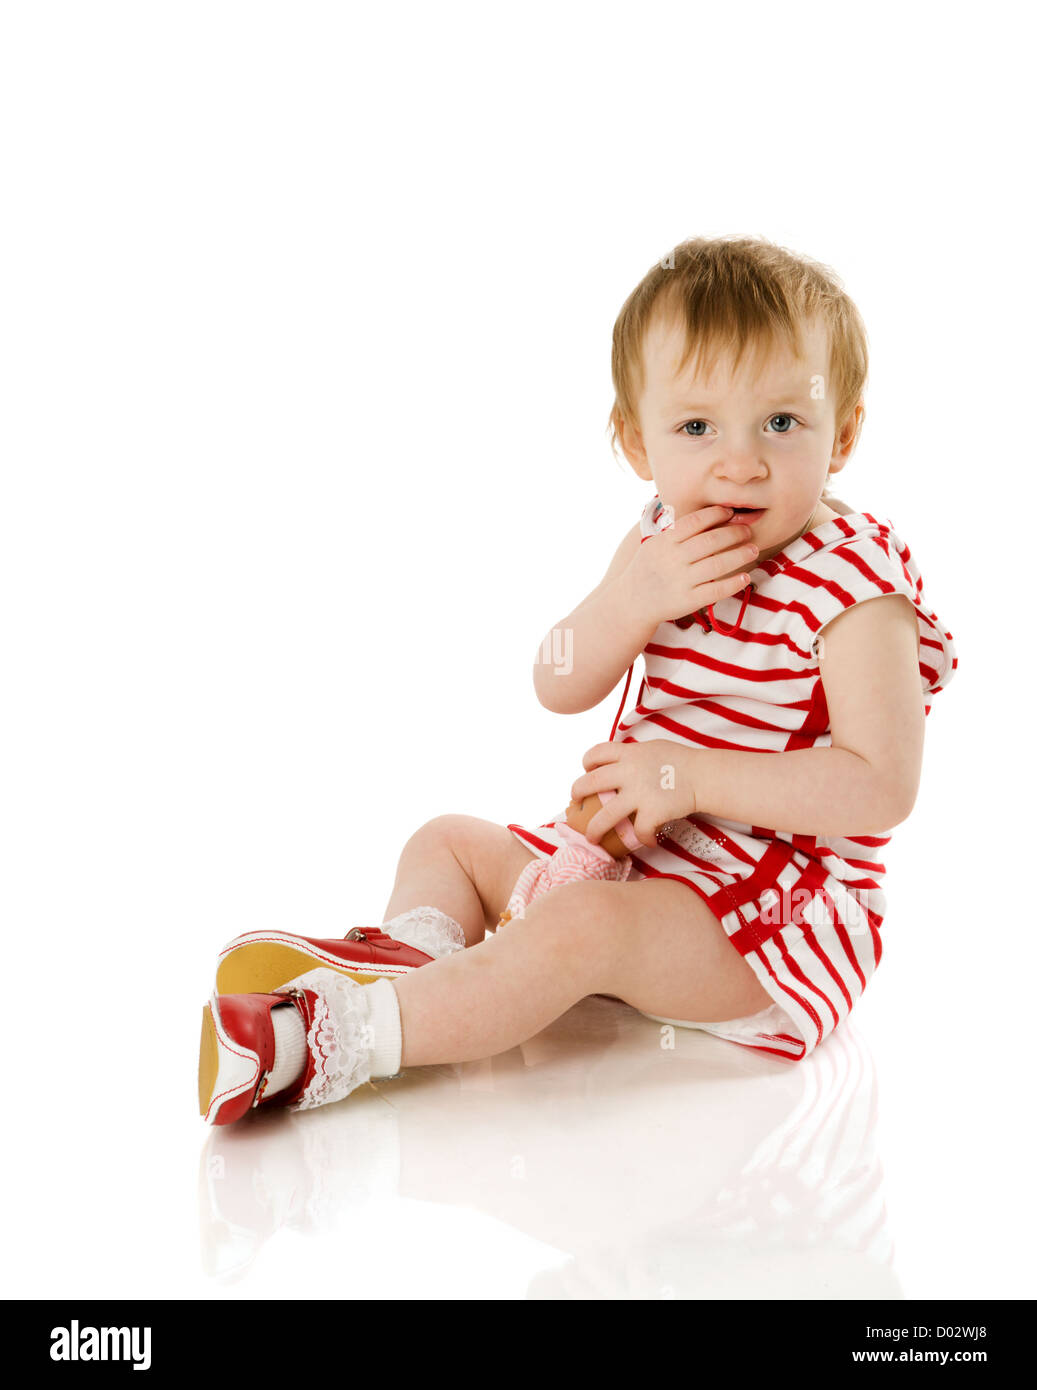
column 739, row 369
column 578, row 816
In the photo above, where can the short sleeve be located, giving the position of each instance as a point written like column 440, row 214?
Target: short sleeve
column 866, row 567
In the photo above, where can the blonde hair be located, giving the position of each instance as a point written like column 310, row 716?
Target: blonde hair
column 730, row 293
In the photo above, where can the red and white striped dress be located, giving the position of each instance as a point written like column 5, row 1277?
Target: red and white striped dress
column 804, row 910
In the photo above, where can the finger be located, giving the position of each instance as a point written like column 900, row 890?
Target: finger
column 718, row 539
column 693, row 522
column 617, row 808
column 600, row 753
column 644, row 830
column 705, row 594
column 594, row 783
column 725, row 562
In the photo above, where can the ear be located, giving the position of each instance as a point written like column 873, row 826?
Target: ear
column 846, row 440
column 631, row 443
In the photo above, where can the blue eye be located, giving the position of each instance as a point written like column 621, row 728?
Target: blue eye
column 688, row 426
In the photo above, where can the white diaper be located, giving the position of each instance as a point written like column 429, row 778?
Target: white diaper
column 768, row 1021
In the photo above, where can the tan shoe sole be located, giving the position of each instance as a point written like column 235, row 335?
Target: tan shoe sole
column 208, row 1062
column 260, row 967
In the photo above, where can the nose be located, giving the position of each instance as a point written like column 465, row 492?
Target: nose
column 741, row 463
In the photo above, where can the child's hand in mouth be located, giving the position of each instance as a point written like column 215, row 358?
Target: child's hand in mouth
column 699, row 560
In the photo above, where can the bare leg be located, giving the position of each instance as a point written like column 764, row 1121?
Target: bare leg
column 482, row 1001
column 465, row 866
column 654, row 944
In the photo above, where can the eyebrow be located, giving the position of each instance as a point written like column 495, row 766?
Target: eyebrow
column 799, row 396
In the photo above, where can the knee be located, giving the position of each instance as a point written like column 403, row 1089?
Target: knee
column 465, row 837
column 448, row 829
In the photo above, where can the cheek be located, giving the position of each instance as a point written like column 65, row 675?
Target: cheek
column 671, row 467
column 804, row 472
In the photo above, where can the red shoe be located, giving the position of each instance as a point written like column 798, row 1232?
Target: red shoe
column 237, row 1053
column 261, row 961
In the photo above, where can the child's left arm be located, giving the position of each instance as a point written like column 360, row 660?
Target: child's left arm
column 864, row 784
column 867, row 781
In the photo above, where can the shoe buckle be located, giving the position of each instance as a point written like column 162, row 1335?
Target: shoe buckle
column 374, row 936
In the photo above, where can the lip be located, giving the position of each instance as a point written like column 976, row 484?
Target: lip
column 749, row 518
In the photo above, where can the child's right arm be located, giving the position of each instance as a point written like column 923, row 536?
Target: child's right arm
column 584, row 655
column 582, row 658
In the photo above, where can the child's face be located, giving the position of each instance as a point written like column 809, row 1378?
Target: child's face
column 758, row 441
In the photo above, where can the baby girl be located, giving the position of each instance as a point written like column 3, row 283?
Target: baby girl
column 775, row 740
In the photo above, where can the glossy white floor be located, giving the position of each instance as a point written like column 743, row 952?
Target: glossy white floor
column 592, row 1162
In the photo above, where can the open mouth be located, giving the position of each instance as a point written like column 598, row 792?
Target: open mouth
column 748, row 515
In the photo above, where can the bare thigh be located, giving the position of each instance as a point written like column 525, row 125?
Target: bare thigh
column 661, row 949
column 668, row 954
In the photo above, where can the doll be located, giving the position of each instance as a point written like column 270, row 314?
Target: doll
column 580, row 859
column 619, row 841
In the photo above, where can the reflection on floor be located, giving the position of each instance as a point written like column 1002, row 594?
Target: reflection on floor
column 656, row 1163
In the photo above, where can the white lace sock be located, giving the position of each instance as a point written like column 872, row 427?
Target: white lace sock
column 427, row 929
column 387, row 1048
column 355, row 1035
column 289, row 1049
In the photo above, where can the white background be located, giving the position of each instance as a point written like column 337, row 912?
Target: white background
column 305, row 321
